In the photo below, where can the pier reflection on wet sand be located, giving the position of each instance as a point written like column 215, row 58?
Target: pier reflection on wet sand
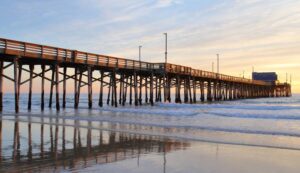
column 52, row 147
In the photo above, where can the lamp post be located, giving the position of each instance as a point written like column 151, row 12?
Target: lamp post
column 166, row 48
column 218, row 67
column 140, row 47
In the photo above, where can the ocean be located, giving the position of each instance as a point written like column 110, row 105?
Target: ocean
column 251, row 135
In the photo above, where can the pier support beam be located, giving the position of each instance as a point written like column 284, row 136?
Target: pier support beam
column 101, row 89
column 57, row 86
column 194, row 90
column 43, row 87
column 125, row 88
column 80, row 71
column 151, row 89
column 135, row 90
column 75, row 85
column 209, row 96
column 64, row 87
column 121, row 89
column 185, row 88
column 31, row 67
column 202, row 91
column 16, row 83
column 159, row 90
column 130, row 90
column 109, row 90
column 51, row 86
column 114, row 90
column 140, row 90
column 90, row 91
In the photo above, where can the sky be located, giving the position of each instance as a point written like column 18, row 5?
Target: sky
column 264, row 34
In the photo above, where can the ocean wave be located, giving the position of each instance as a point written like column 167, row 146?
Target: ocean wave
column 275, row 115
column 230, row 106
column 184, row 127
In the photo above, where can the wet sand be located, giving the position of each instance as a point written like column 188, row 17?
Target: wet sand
column 38, row 147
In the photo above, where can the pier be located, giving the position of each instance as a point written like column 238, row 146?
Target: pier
column 126, row 81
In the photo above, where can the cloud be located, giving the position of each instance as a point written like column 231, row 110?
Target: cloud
column 166, row 3
column 243, row 32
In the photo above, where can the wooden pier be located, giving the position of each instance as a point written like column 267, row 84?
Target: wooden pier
column 127, row 81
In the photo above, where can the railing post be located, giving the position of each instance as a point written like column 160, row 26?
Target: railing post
column 74, row 55
column 5, row 46
column 57, row 53
column 24, row 54
column 86, row 59
column 42, row 51
column 66, row 55
column 107, row 61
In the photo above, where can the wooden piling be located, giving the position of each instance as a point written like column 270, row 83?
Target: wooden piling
column 130, row 91
column 146, row 90
column 125, row 88
column 19, row 79
column 115, row 87
column 31, row 67
column 90, row 87
column 140, row 90
column 169, row 89
column 209, row 96
column 159, row 90
column 80, row 71
column 101, row 89
column 194, row 90
column 156, row 89
column 121, row 89
column 16, row 83
column 190, row 90
column 177, row 90
column 151, row 89
column 43, row 87
column 109, row 90
column 112, row 89
column 202, row 91
column 51, row 86
column 186, row 96
column 64, row 86
column 57, row 86
column 135, row 90
column 215, row 90
column 75, row 86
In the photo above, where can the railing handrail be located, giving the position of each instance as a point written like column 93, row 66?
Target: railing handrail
column 75, row 56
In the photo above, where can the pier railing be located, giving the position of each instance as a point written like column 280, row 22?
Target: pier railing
column 178, row 69
column 31, row 50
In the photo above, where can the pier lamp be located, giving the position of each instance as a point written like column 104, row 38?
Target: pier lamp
column 166, row 47
column 218, row 67
column 140, row 47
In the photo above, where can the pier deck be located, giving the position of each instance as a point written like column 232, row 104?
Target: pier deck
column 121, row 76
